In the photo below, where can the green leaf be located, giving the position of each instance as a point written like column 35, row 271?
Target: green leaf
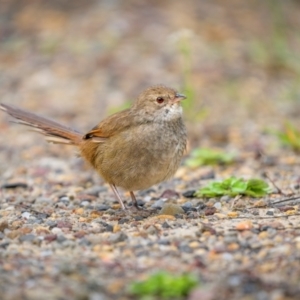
column 235, row 186
column 257, row 188
column 238, row 186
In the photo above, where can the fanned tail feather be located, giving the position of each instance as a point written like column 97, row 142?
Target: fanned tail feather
column 53, row 131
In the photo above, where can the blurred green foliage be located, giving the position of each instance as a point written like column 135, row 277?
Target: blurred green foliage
column 235, row 186
column 290, row 136
column 206, row 156
column 163, row 285
column 275, row 52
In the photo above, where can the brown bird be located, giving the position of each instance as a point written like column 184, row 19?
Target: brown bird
column 132, row 149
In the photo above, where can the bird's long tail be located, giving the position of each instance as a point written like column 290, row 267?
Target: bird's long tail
column 53, row 131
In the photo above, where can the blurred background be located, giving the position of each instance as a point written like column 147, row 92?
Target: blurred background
column 78, row 61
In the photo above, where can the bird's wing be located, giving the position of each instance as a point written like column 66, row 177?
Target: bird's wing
column 110, row 126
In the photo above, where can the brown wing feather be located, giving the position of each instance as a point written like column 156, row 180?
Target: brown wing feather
column 110, row 126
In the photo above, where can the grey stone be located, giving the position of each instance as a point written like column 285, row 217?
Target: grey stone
column 27, row 238
column 102, row 207
column 158, row 204
column 117, row 237
column 95, row 190
column 60, row 238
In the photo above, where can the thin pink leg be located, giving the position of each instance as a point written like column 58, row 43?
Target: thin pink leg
column 113, row 187
column 134, row 201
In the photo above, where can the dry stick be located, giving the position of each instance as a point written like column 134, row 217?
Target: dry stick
column 287, row 199
column 277, row 202
column 279, row 190
column 234, row 201
column 263, row 218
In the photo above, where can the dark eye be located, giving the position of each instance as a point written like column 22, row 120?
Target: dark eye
column 160, row 99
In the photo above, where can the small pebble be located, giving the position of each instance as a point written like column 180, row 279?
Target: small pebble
column 187, row 205
column 165, row 225
column 50, row 223
column 189, row 208
column 185, row 248
column 220, row 216
column 225, row 198
column 260, row 203
column 200, row 205
column 218, row 205
column 139, row 218
column 65, row 199
column 124, row 221
column 26, row 215
column 50, row 237
column 3, row 225
column 209, row 211
column 152, row 230
column 33, row 220
column 169, row 194
column 61, row 238
column 171, row 209
column 95, row 190
column 245, row 225
column 230, row 238
column 56, row 230
column 42, row 200
column 84, row 242
column 27, row 238
column 189, row 194
column 158, row 204
column 232, row 214
column 117, row 237
column 147, row 198
column 163, row 242
column 102, row 207
column 108, row 227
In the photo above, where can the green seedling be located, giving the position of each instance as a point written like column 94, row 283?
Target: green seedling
column 290, row 137
column 205, row 156
column 163, row 285
column 235, row 186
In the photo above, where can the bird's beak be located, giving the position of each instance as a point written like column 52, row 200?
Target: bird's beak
column 179, row 97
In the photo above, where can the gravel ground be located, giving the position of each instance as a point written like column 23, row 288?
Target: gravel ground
column 66, row 241
column 63, row 235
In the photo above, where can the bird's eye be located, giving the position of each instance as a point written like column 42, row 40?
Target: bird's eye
column 160, row 100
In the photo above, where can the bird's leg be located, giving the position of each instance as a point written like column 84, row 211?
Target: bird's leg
column 134, row 201
column 113, row 187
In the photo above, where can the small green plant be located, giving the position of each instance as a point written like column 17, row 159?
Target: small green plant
column 205, row 156
column 235, row 186
column 290, row 136
column 163, row 285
